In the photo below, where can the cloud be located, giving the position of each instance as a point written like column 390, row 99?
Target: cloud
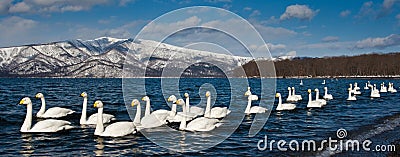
column 255, row 13
column 276, row 47
column 379, row 42
column 291, row 53
column 247, row 9
column 18, row 29
column 386, row 7
column 345, row 13
column 4, row 5
column 302, row 12
column 330, row 39
column 366, row 10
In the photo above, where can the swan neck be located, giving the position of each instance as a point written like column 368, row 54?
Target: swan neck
column 26, row 126
column 84, row 108
column 293, row 91
column 290, row 93
column 326, row 91
column 207, row 113
column 309, row 97
column 42, row 108
column 187, row 104
column 99, row 124
column 137, row 116
column 316, row 95
column 248, row 105
column 173, row 110
column 182, row 126
column 280, row 101
column 147, row 110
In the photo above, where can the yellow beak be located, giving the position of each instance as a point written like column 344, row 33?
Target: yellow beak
column 95, row 104
column 143, row 99
column 169, row 99
column 22, row 102
column 277, row 95
column 82, row 95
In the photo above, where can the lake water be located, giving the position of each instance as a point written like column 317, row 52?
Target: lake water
column 375, row 119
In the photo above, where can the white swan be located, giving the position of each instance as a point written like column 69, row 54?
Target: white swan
column 311, row 103
column 366, row 86
column 354, row 90
column 198, row 111
column 323, row 102
column 375, row 92
column 285, row 106
column 116, row 129
column 93, row 118
column 301, row 82
column 383, row 88
column 247, row 93
column 391, row 88
column 323, row 82
column 350, row 97
column 294, row 94
column 327, row 96
column 54, row 112
column 215, row 112
column 356, row 86
column 198, row 124
column 290, row 97
column 253, row 109
column 155, row 118
column 176, row 117
column 48, row 125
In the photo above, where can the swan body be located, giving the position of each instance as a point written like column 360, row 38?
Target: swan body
column 326, row 95
column 391, row 88
column 301, row 82
column 294, row 94
column 285, row 106
column 45, row 126
column 354, row 91
column 290, row 97
column 198, row 124
column 107, row 118
column 351, row 97
column 375, row 92
column 153, row 119
column 197, row 111
column 253, row 109
column 383, row 88
column 215, row 112
column 54, row 112
column 323, row 102
column 311, row 103
column 176, row 117
column 116, row 129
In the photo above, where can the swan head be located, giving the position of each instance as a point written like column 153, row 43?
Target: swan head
column 292, row 88
column 208, row 94
column 309, row 91
column 172, row 98
column 135, row 102
column 325, row 88
column 39, row 96
column 98, row 104
column 278, row 95
column 186, row 95
column 288, row 88
column 145, row 98
column 253, row 97
column 316, row 90
column 180, row 102
column 84, row 94
column 25, row 101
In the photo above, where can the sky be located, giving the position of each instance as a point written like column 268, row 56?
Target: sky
column 311, row 28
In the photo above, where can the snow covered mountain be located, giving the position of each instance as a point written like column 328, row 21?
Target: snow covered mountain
column 105, row 57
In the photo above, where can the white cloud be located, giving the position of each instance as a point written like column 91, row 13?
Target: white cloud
column 291, row 53
column 345, row 13
column 255, row 13
column 247, row 9
column 15, row 30
column 330, row 39
column 276, row 47
column 160, row 30
column 366, row 10
column 302, row 12
column 379, row 42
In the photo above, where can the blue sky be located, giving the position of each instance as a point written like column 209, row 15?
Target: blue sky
column 301, row 28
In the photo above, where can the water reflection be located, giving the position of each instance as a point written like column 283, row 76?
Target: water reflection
column 99, row 146
column 27, row 149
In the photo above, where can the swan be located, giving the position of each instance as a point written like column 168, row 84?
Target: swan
column 54, row 112
column 356, row 86
column 253, row 109
column 351, row 98
column 215, row 112
column 247, row 93
column 327, row 96
column 176, row 117
column 198, row 111
column 383, row 88
column 323, row 82
column 375, row 92
column 155, row 118
column 294, row 94
column 285, row 106
column 198, row 124
column 323, row 102
column 150, row 121
column 301, row 82
column 391, row 88
column 370, row 85
column 290, row 97
column 366, row 86
column 93, row 118
column 48, row 125
column 311, row 103
column 116, row 129
column 355, row 90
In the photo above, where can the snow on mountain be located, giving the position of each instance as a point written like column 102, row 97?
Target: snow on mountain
column 105, row 57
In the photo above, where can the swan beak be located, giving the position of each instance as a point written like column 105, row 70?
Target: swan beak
column 143, row 98
column 36, row 96
column 133, row 104
column 81, row 95
column 95, row 104
column 277, row 95
column 22, row 102
column 169, row 99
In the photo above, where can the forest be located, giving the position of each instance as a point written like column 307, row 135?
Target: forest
column 382, row 65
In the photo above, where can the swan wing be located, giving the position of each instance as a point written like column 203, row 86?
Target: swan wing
column 219, row 112
column 107, row 118
column 257, row 109
column 198, row 111
column 119, row 129
column 202, row 124
column 51, row 125
column 153, row 120
column 179, row 117
column 56, row 112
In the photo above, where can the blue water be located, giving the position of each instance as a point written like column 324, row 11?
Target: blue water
column 375, row 119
